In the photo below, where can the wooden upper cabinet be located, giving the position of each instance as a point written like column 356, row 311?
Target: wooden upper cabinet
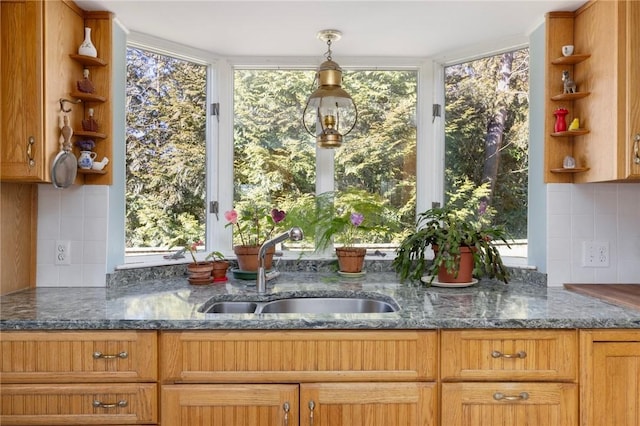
column 37, row 38
column 610, row 151
column 535, row 355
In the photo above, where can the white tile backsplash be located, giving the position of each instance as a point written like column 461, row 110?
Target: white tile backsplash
column 596, row 212
column 77, row 214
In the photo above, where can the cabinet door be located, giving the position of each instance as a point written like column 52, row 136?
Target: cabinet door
column 79, row 404
column 610, row 378
column 632, row 141
column 509, row 404
column 229, row 405
column 21, row 132
column 371, row 404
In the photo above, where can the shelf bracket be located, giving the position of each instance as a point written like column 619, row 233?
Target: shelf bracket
column 63, row 101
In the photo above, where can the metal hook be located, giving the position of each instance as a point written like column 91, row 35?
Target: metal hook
column 62, row 102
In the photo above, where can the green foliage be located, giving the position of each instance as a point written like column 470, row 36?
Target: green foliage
column 450, row 229
column 475, row 91
column 166, row 156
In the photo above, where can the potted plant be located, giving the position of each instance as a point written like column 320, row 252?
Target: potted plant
column 255, row 226
column 219, row 266
column 455, row 239
column 344, row 218
column 199, row 272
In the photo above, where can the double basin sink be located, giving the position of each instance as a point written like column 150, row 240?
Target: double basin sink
column 305, row 304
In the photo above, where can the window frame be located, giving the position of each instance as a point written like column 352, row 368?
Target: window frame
column 219, row 143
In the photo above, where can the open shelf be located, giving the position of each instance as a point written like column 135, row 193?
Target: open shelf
column 570, row 96
column 87, row 134
column 88, row 60
column 91, row 172
column 574, row 170
column 570, row 60
column 578, row 132
column 88, row 97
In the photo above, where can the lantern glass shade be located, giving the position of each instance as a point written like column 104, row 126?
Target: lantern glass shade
column 330, row 112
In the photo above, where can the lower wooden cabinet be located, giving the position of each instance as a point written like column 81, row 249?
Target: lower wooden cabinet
column 610, row 378
column 509, row 404
column 229, row 405
column 79, row 404
column 78, row 377
column 306, row 404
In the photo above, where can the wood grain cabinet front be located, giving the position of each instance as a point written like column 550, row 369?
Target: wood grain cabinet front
column 78, row 356
column 306, row 378
column 610, row 377
column 509, row 377
column 78, row 377
column 79, row 404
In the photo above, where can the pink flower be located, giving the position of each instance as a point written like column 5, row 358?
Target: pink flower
column 356, row 218
column 278, row 215
column 231, row 216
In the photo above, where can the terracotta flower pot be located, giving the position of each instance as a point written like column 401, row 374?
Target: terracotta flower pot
column 220, row 270
column 248, row 257
column 465, row 269
column 350, row 259
column 200, row 273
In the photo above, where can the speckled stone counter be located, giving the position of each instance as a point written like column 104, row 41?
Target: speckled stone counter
column 171, row 303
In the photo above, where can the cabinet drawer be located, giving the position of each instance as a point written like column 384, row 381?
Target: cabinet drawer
column 62, row 356
column 295, row 356
column 508, row 404
column 512, row 355
column 83, row 404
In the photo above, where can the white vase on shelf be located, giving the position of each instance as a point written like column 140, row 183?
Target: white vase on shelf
column 87, row 48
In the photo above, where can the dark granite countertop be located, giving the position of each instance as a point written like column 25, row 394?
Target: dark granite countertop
column 171, row 303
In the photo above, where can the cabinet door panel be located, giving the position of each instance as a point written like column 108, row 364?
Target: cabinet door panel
column 71, row 404
column 611, row 382
column 229, row 405
column 508, row 404
column 370, row 404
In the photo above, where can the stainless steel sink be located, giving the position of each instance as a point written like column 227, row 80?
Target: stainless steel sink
column 327, row 305
column 232, row 308
column 305, row 305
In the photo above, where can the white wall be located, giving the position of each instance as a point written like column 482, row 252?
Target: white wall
column 593, row 212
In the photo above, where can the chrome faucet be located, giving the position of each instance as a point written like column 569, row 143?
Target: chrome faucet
column 294, row 233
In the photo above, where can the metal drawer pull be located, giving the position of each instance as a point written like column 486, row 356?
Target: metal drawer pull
column 636, row 149
column 498, row 354
column 30, row 144
column 312, row 405
column 100, row 355
column 286, row 408
column 499, row 396
column 119, row 404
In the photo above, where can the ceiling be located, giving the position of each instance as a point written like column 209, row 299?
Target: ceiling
column 419, row 28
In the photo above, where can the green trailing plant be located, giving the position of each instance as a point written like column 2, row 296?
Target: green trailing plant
column 345, row 217
column 450, row 229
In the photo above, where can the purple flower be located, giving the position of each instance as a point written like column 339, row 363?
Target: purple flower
column 278, row 215
column 356, row 218
column 482, row 208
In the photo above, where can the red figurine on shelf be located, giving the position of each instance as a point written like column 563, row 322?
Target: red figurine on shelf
column 561, row 123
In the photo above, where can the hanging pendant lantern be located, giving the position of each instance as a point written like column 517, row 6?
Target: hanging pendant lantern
column 330, row 112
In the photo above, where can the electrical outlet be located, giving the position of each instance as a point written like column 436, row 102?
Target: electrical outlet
column 595, row 254
column 62, row 252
